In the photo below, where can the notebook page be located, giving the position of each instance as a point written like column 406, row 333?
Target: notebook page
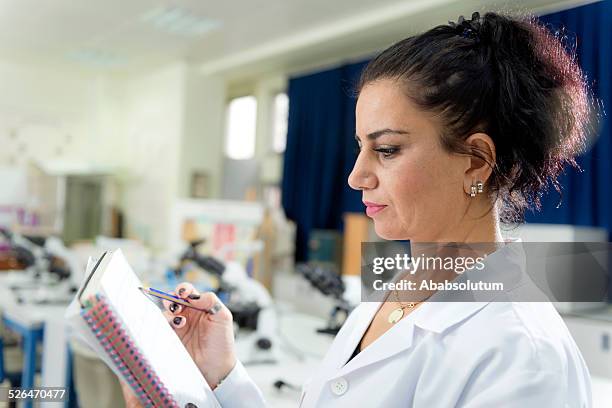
column 153, row 335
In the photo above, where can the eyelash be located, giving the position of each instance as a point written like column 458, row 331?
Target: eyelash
column 384, row 152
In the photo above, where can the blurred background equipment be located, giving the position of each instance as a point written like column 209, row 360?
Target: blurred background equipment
column 74, row 200
column 327, row 280
column 325, row 247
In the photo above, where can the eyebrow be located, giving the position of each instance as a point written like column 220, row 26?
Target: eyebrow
column 375, row 135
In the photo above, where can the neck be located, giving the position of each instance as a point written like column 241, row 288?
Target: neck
column 482, row 229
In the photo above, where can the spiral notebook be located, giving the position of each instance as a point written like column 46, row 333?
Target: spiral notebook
column 128, row 331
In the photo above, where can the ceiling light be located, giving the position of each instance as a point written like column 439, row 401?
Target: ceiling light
column 175, row 20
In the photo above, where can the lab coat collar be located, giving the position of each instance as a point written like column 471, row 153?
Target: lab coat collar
column 434, row 317
column 431, row 316
column 439, row 314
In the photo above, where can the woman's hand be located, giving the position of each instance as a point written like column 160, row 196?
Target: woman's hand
column 209, row 338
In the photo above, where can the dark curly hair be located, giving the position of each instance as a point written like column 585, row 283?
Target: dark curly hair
column 509, row 77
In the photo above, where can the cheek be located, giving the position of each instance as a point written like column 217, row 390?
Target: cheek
column 424, row 187
column 410, row 181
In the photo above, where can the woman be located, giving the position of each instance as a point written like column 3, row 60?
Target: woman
column 458, row 127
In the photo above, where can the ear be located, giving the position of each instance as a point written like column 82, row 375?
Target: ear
column 481, row 161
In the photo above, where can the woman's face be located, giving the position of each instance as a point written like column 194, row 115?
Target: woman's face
column 412, row 187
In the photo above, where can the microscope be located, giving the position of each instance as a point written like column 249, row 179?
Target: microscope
column 48, row 262
column 329, row 282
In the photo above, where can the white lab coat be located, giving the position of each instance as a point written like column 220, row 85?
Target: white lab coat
column 460, row 354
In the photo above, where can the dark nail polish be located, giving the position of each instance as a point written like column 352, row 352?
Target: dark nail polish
column 173, row 307
column 177, row 320
column 194, row 296
column 181, row 291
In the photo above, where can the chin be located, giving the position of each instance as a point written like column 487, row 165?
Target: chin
column 389, row 232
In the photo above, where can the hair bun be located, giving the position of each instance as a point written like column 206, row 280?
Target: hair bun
column 467, row 28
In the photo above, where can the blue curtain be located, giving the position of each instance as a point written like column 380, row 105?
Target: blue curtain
column 320, row 143
column 320, row 152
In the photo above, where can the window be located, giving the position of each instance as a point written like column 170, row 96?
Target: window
column 279, row 122
column 240, row 128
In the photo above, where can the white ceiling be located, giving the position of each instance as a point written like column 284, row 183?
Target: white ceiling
column 253, row 36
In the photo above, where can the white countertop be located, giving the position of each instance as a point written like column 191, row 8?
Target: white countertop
column 26, row 313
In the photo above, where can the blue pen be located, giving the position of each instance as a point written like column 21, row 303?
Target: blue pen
column 175, row 299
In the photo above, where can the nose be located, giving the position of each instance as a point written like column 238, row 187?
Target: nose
column 361, row 177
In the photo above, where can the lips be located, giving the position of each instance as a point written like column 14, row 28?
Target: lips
column 373, row 208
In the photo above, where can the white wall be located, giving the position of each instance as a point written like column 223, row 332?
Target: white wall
column 270, row 161
column 45, row 114
column 80, row 117
column 151, row 126
column 155, row 129
column 203, row 130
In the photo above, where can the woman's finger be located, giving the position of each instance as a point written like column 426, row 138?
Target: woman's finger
column 177, row 322
column 209, row 301
column 206, row 301
column 184, row 289
column 172, row 307
column 187, row 291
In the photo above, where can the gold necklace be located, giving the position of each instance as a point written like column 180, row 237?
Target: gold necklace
column 397, row 313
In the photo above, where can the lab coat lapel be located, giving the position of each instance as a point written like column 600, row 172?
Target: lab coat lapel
column 395, row 340
column 366, row 314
